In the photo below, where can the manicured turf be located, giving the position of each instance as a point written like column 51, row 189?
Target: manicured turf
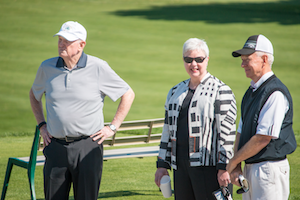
column 142, row 41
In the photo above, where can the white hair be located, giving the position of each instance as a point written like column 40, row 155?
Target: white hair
column 270, row 57
column 195, row 44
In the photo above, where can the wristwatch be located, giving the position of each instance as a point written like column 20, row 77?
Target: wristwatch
column 113, row 128
column 41, row 124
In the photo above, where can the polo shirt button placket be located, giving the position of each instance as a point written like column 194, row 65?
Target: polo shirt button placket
column 69, row 79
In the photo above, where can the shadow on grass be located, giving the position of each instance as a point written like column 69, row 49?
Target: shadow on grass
column 126, row 193
column 282, row 12
column 104, row 195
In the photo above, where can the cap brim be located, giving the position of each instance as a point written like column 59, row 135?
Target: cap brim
column 67, row 36
column 240, row 52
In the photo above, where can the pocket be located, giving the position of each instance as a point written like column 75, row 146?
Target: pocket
column 264, row 172
column 95, row 146
column 284, row 170
column 46, row 149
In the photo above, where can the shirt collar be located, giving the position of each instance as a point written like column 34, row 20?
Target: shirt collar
column 204, row 79
column 261, row 80
column 80, row 64
column 207, row 75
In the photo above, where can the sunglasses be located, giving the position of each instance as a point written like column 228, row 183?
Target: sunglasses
column 222, row 194
column 190, row 60
column 244, row 185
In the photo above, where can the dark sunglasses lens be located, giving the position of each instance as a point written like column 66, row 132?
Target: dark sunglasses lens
column 199, row 59
column 188, row 59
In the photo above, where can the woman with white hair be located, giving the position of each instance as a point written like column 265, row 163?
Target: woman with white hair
column 199, row 131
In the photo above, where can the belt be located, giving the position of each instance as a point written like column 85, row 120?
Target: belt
column 72, row 139
column 264, row 160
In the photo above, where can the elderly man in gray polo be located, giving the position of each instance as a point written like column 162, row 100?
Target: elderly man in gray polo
column 75, row 85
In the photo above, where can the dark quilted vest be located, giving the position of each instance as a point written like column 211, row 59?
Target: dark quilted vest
column 252, row 104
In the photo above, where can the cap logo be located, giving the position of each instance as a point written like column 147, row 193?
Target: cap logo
column 250, row 44
column 72, row 31
column 67, row 28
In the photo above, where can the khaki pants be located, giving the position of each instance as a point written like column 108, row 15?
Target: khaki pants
column 268, row 180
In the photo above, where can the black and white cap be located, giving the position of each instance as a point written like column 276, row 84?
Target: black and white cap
column 253, row 44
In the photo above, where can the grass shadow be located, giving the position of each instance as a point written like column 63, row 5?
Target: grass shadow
column 114, row 194
column 282, row 12
column 125, row 193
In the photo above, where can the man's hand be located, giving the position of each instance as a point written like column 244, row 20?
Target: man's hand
column 104, row 133
column 223, row 178
column 46, row 135
column 234, row 175
column 160, row 172
column 234, row 172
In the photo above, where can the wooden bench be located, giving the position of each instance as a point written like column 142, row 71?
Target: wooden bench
column 137, row 152
column 136, row 139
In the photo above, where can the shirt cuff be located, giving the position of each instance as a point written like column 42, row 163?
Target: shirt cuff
column 162, row 164
column 221, row 166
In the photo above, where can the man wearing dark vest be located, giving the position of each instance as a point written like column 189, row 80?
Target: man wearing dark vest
column 265, row 135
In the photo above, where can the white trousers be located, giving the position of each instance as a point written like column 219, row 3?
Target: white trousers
column 267, row 180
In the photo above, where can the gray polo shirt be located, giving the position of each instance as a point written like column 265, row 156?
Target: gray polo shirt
column 74, row 98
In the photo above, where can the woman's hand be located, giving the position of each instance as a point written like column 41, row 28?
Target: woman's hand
column 223, row 178
column 160, row 172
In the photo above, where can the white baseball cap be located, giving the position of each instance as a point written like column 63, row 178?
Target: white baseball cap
column 253, row 44
column 72, row 31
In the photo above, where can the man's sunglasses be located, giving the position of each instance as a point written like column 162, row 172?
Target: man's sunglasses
column 190, row 60
column 244, row 185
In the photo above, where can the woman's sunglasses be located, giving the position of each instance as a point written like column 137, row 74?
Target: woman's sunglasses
column 190, row 60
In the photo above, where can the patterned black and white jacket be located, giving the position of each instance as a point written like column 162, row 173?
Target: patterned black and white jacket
column 212, row 116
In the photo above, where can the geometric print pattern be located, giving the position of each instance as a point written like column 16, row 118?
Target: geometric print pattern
column 211, row 118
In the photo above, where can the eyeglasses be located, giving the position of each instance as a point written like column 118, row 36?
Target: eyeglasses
column 222, row 194
column 244, row 185
column 190, row 60
column 225, row 192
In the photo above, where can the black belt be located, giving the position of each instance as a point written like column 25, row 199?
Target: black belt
column 71, row 139
column 264, row 160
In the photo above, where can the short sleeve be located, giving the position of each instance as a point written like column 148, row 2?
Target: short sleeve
column 111, row 84
column 38, row 87
column 272, row 114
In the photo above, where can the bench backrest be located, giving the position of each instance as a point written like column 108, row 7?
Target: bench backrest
column 138, row 139
column 134, row 125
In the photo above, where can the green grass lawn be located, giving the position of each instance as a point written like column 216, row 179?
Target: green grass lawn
column 142, row 41
column 130, row 178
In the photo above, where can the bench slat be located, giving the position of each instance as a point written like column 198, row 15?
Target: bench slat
column 136, row 152
column 129, row 140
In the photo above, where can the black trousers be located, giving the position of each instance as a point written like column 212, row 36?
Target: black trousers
column 79, row 162
column 195, row 183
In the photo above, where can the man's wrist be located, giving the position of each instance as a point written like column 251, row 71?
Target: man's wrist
column 41, row 124
column 112, row 127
